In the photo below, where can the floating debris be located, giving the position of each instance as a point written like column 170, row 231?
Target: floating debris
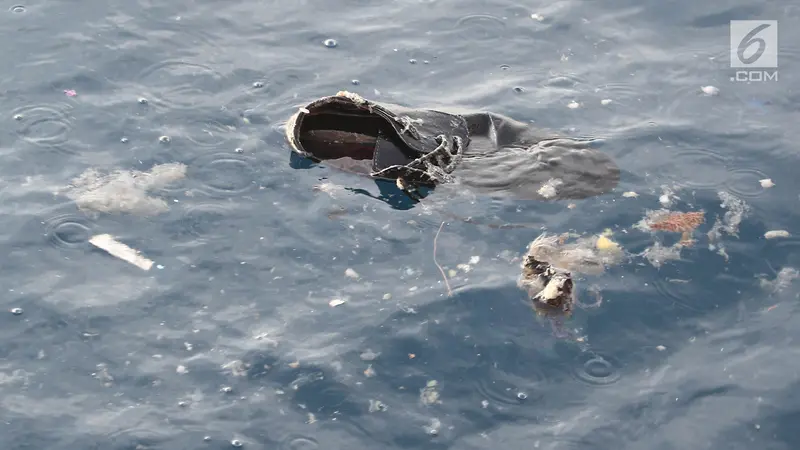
column 120, row 250
column 549, row 288
column 605, row 101
column 329, row 188
column 667, row 197
column 337, row 302
column 677, row 221
column 737, row 210
column 783, row 279
column 433, row 427
column 710, row 90
column 573, row 105
column 463, row 267
column 630, row 194
column 548, row 189
column 680, row 222
column 774, row 234
column 766, row 183
column 587, row 255
column 658, row 254
column 369, row 355
column 429, row 395
column 350, row 273
column 377, row 405
column 537, row 17
column 606, row 244
column 124, row 191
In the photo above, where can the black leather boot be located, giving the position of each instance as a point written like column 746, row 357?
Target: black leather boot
column 421, row 147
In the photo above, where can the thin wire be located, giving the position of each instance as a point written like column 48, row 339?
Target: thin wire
column 435, row 239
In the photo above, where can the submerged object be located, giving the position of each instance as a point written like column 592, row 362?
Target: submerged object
column 550, row 262
column 551, row 289
column 423, row 147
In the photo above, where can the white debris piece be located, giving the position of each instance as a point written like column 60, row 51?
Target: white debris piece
column 773, row 234
column 350, row 273
column 120, row 250
column 336, row 302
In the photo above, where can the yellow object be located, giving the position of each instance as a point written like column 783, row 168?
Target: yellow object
column 604, row 243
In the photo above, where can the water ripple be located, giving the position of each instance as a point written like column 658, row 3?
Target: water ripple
column 481, row 27
column 597, row 369
column 68, row 231
column 45, row 125
column 744, row 182
column 203, row 221
column 714, row 164
column 494, row 388
column 209, row 133
column 180, row 84
column 678, row 291
column 223, row 174
column 295, row 442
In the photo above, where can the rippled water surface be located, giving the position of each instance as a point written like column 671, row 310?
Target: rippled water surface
column 230, row 338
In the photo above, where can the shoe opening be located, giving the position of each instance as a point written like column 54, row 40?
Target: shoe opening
column 335, row 131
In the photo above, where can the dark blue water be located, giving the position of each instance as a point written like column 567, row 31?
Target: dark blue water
column 229, row 339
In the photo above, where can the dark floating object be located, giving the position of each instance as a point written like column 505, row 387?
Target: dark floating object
column 483, row 151
column 550, row 289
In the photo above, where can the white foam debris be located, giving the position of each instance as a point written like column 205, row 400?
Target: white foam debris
column 548, row 189
column 774, row 234
column 123, row 190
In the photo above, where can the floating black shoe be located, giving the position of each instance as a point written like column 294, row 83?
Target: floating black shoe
column 422, row 147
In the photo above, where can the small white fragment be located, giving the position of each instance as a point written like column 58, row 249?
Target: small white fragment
column 336, row 302
column 537, row 16
column 387, row 296
column 605, row 101
column 665, row 200
column 462, row 267
column 350, row 273
column 181, row 370
column 766, row 183
column 305, row 111
column 548, row 189
column 474, row 260
column 709, row 90
column 776, row 234
column 573, row 105
column 661, row 348
column 630, row 194
column 120, row 250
